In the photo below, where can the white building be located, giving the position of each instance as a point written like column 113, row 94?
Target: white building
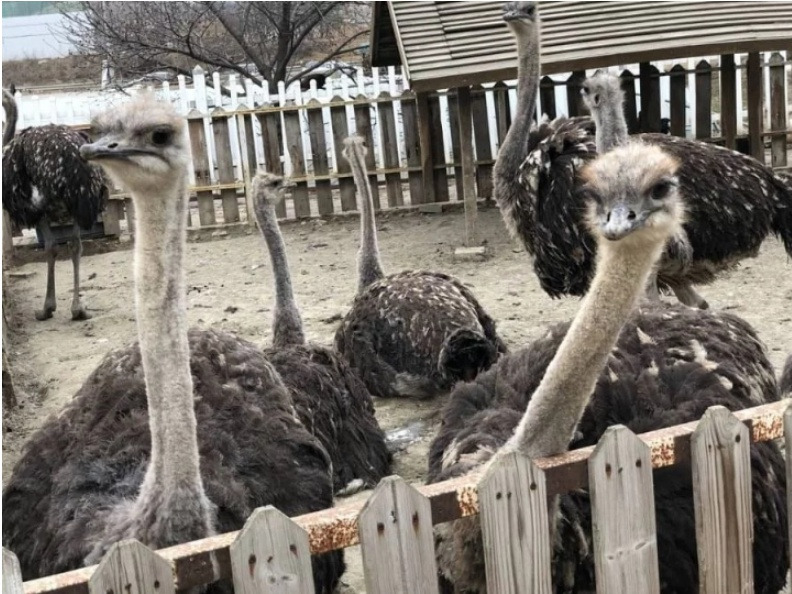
column 33, row 30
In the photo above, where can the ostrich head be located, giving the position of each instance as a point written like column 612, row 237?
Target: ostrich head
column 269, row 189
column 602, row 89
column 141, row 144
column 634, row 196
column 521, row 17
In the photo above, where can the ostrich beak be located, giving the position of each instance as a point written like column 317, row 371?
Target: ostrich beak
column 620, row 221
column 107, row 148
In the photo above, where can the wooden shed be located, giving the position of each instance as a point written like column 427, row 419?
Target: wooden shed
column 453, row 45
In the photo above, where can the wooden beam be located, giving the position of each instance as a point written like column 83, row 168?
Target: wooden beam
column 425, row 139
column 728, row 86
column 755, row 91
column 468, row 166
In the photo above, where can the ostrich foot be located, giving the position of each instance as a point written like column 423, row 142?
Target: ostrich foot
column 44, row 314
column 80, row 313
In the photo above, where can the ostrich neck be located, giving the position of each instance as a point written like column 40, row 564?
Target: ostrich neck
column 160, row 300
column 287, row 326
column 9, row 104
column 611, row 127
column 556, row 406
column 369, row 266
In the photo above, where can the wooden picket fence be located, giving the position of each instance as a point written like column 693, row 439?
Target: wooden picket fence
column 394, row 527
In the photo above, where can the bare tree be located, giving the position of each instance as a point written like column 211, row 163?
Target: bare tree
column 259, row 40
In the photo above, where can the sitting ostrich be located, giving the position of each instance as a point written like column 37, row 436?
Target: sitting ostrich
column 734, row 201
column 414, row 333
column 46, row 182
column 331, row 401
column 179, row 436
column 646, row 368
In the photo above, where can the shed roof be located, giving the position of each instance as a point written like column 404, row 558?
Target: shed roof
column 451, row 44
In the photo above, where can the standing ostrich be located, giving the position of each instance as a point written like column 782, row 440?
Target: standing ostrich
column 413, row 333
column 45, row 182
column 330, row 399
column 649, row 368
column 734, row 202
column 179, row 436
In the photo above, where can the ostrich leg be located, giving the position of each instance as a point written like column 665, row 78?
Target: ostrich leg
column 51, row 250
column 78, row 310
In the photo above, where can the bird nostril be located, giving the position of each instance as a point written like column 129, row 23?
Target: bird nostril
column 631, row 216
column 112, row 145
column 607, row 219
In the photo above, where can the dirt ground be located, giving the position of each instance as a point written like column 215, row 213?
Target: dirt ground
column 229, row 286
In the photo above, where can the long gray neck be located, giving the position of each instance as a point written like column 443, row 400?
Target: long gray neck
column 369, row 265
column 558, row 403
column 611, row 126
column 173, row 473
column 10, row 106
column 513, row 151
column 287, row 328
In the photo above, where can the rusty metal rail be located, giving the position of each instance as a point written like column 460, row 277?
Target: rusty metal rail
column 207, row 560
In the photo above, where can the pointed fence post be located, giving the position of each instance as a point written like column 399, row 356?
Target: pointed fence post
column 12, row 574
column 129, row 567
column 722, row 499
column 397, row 540
column 623, row 514
column 271, row 555
column 515, row 527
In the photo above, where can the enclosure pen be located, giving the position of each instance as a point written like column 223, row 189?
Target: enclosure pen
column 394, row 526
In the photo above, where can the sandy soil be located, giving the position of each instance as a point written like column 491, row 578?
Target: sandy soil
column 229, row 286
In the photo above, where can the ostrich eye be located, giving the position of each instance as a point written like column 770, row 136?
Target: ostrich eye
column 161, row 137
column 661, row 190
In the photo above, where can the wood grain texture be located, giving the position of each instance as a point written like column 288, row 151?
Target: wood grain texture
column 468, row 166
column 425, row 138
column 316, row 132
column 129, row 567
column 515, row 527
column 390, row 150
column 346, row 185
column 755, row 87
column 728, row 86
column 623, row 515
column 722, row 501
column 481, row 139
column 703, row 99
column 271, row 555
column 200, row 158
column 291, row 121
column 397, row 540
column 270, row 129
column 12, row 574
column 225, row 165
column 778, row 109
column 412, row 145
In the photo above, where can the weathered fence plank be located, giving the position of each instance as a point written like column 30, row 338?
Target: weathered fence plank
column 500, row 95
column 12, row 574
column 129, row 567
column 755, row 88
column 778, row 116
column 728, row 88
column 363, row 125
column 316, row 132
column 426, row 140
column 456, row 151
column 481, row 139
column 722, row 502
column 515, row 527
column 575, row 105
column 412, row 145
column 390, row 150
column 468, row 168
column 270, row 134
column 547, row 97
column 678, row 107
column 200, row 158
column 397, row 540
column 225, row 165
column 440, row 177
column 703, row 100
column 249, row 161
column 623, row 516
column 293, row 135
column 630, row 110
column 649, row 83
column 346, row 185
column 271, row 555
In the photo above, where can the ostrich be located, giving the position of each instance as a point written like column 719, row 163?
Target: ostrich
column 414, row 333
column 45, row 182
column 646, row 368
column 734, row 202
column 178, row 436
column 330, row 399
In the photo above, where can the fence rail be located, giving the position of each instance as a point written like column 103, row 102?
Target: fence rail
column 393, row 526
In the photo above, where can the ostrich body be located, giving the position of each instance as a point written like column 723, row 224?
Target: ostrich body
column 413, row 333
column 733, row 201
column 46, row 182
column 330, row 400
column 646, row 368
column 174, row 438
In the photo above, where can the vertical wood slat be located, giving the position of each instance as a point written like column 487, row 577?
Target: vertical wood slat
column 390, row 150
column 111, row 223
column 397, row 540
column 270, row 128
column 649, row 82
column 271, row 555
column 453, row 123
column 316, row 132
column 440, row 175
column 788, row 457
column 778, row 116
column 678, row 99
column 468, row 165
column 249, row 162
column 427, row 154
column 346, row 185
column 547, row 97
column 481, row 139
column 500, row 94
column 755, row 92
column 129, row 567
column 630, row 110
column 728, row 88
column 225, row 165
column 412, row 145
column 363, row 125
column 515, row 526
column 200, row 159
column 12, row 574
column 575, row 104
column 293, row 134
column 623, row 516
column 703, row 100
column 722, row 501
